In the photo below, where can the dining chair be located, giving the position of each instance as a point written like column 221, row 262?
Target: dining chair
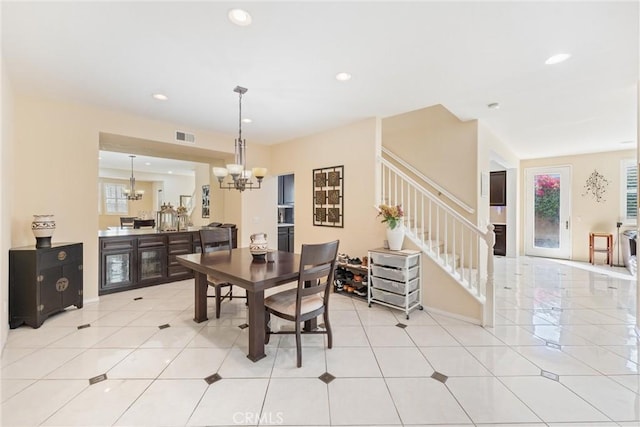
column 144, row 223
column 127, row 221
column 211, row 240
column 310, row 298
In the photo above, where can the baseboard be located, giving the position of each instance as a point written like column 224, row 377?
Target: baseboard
column 89, row 301
column 452, row 315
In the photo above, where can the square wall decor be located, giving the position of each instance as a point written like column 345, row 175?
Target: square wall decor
column 328, row 196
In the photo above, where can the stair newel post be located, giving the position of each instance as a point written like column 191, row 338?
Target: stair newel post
column 489, row 307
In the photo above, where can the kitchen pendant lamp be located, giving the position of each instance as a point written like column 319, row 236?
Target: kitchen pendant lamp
column 131, row 192
column 240, row 176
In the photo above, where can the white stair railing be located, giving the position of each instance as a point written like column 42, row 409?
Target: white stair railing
column 457, row 245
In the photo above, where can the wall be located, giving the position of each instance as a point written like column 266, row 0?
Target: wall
column 352, row 146
column 56, row 160
column 6, row 196
column 587, row 215
column 432, row 140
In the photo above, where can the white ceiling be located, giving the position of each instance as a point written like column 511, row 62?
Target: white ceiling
column 147, row 164
column 402, row 55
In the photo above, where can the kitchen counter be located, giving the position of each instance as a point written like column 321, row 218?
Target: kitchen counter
column 117, row 232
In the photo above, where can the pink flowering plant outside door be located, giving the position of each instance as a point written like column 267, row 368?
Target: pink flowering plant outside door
column 547, row 216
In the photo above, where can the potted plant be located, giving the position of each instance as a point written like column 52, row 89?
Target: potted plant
column 392, row 216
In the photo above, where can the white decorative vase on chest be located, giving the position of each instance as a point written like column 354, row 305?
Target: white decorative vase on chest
column 395, row 237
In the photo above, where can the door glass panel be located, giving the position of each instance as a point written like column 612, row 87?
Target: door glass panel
column 547, row 211
column 150, row 264
column 117, row 269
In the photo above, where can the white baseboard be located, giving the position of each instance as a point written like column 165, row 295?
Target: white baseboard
column 453, row 315
column 89, row 301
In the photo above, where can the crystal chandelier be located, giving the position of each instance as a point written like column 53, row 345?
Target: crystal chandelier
column 240, row 176
column 131, row 192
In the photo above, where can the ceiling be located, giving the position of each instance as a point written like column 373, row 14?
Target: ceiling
column 147, row 164
column 402, row 55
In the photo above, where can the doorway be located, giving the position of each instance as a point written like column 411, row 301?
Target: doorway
column 547, row 212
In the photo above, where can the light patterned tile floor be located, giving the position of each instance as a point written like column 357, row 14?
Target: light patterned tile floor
column 571, row 319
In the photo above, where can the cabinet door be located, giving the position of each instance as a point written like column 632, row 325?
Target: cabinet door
column 500, row 248
column 498, row 189
column 280, row 190
column 50, row 299
column 117, row 269
column 152, row 264
column 288, row 190
column 71, row 291
column 283, row 239
column 290, row 240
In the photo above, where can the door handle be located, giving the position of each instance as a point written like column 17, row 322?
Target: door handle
column 566, row 224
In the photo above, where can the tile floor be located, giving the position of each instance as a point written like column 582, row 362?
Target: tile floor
column 563, row 352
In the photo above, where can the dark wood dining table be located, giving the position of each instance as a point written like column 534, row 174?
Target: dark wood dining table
column 239, row 268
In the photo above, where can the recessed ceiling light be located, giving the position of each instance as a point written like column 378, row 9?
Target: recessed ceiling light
column 556, row 59
column 170, row 172
column 246, row 120
column 99, row 158
column 343, row 77
column 240, row 17
column 160, row 96
column 147, row 164
column 494, row 106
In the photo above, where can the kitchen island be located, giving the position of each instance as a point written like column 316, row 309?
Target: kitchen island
column 135, row 258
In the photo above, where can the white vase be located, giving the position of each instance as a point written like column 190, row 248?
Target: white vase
column 43, row 227
column 395, row 237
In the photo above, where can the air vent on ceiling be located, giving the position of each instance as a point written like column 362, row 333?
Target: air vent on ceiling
column 185, row 137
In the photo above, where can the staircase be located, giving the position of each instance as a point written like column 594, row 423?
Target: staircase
column 456, row 245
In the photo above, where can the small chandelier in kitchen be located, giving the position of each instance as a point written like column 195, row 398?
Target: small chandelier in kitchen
column 240, row 176
column 131, row 192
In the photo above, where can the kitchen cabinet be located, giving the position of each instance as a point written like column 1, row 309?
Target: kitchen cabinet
column 500, row 248
column 498, row 188
column 286, row 185
column 285, row 238
column 43, row 281
column 132, row 259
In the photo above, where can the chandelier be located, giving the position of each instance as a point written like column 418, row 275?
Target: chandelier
column 131, row 192
column 240, row 176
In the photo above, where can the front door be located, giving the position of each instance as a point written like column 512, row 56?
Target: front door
column 547, row 212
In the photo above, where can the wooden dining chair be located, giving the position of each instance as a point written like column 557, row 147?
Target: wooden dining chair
column 127, row 221
column 217, row 239
column 310, row 298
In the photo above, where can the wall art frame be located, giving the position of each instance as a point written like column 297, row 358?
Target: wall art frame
column 205, row 201
column 328, row 196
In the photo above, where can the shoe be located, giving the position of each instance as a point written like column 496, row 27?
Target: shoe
column 357, row 278
column 365, row 261
column 355, row 261
column 361, row 291
column 348, row 275
column 339, row 285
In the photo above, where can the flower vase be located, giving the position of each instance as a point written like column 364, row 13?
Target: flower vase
column 395, row 237
column 43, row 227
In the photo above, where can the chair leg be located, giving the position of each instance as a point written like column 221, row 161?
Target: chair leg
column 218, row 301
column 298, row 344
column 230, row 292
column 267, row 327
column 328, row 326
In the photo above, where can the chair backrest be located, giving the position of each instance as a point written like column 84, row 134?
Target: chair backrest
column 317, row 265
column 215, row 239
column 126, row 221
column 139, row 223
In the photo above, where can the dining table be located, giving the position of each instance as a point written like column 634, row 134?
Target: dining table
column 239, row 268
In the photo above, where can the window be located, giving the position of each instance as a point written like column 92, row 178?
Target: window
column 629, row 191
column 115, row 201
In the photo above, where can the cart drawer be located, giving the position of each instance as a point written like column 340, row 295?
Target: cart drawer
column 396, row 261
column 395, row 274
column 395, row 287
column 394, row 299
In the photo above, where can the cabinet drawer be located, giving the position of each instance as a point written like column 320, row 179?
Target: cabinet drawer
column 151, row 241
column 60, row 256
column 394, row 299
column 180, row 249
column 391, row 260
column 179, row 271
column 179, row 239
column 395, row 287
column 117, row 244
column 395, row 274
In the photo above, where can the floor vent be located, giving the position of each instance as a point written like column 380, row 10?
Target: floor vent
column 185, row 137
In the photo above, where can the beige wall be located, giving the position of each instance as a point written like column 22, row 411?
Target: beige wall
column 56, row 168
column 586, row 214
column 6, row 196
column 352, row 146
column 432, row 140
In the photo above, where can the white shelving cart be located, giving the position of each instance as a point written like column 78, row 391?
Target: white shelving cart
column 394, row 279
